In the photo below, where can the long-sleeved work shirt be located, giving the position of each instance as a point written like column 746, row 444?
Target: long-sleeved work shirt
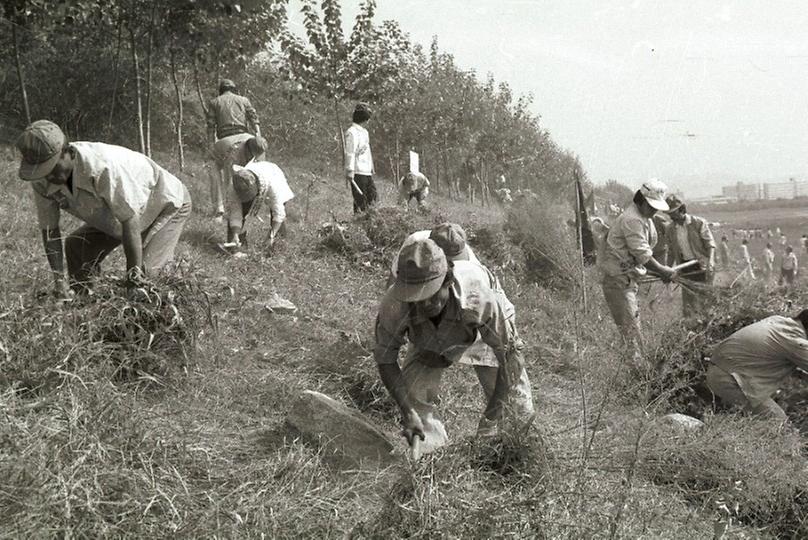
column 629, row 243
column 111, row 184
column 358, row 158
column 475, row 308
column 762, row 355
column 229, row 114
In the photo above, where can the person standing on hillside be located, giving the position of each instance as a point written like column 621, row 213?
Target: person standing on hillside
column 723, row 250
column 441, row 308
column 413, row 185
column 122, row 196
column 231, row 120
column 627, row 253
column 747, row 258
column 251, row 186
column 359, row 160
column 804, row 243
column 768, row 262
column 690, row 239
column 748, row 367
column 789, row 267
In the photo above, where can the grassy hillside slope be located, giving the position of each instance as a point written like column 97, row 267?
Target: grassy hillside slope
column 187, row 439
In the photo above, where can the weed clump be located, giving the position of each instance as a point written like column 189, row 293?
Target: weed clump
column 539, row 227
column 116, row 338
column 738, row 466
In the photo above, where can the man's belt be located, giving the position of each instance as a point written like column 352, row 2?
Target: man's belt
column 231, row 129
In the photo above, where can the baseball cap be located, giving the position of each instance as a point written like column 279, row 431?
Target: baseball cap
column 245, row 183
column 421, row 269
column 673, row 202
column 41, row 146
column 654, row 192
column 451, row 238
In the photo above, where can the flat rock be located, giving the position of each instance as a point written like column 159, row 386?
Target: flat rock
column 682, row 421
column 277, row 304
column 344, row 433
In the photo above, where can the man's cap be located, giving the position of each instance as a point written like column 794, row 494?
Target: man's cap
column 421, row 270
column 451, row 238
column 245, row 184
column 654, row 192
column 226, row 84
column 41, row 146
column 257, row 145
column 674, row 203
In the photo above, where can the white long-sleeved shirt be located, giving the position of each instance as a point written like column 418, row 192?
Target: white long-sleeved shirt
column 358, row 158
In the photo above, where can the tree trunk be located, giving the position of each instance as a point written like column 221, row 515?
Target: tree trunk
column 23, row 91
column 115, row 77
column 149, row 51
column 177, row 91
column 340, row 133
column 138, row 94
column 398, row 159
column 199, row 88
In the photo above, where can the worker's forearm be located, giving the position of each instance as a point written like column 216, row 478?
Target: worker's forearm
column 392, row 379
column 52, row 240
column 656, row 266
column 132, row 243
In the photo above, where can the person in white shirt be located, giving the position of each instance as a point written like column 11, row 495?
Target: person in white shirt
column 413, row 185
column 359, row 160
column 253, row 184
column 122, row 196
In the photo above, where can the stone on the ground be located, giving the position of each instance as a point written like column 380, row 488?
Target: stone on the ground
column 344, row 433
column 682, row 421
column 277, row 304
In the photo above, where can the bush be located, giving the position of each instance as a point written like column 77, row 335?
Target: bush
column 539, row 227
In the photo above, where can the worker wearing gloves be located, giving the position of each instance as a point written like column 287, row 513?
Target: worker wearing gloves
column 441, row 308
column 747, row 368
column 690, row 239
column 122, row 196
column 626, row 254
column 253, row 184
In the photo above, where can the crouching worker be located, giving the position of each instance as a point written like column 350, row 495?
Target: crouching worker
column 451, row 238
column 441, row 309
column 748, row 367
column 413, row 185
column 122, row 196
column 259, row 181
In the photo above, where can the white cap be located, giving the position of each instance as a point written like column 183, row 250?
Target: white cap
column 654, row 192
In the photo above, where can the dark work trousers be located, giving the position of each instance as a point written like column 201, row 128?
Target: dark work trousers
column 86, row 247
column 368, row 197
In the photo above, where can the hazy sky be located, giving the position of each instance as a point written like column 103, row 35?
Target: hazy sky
column 698, row 93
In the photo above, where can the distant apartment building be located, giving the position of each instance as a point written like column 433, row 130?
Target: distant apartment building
column 765, row 191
